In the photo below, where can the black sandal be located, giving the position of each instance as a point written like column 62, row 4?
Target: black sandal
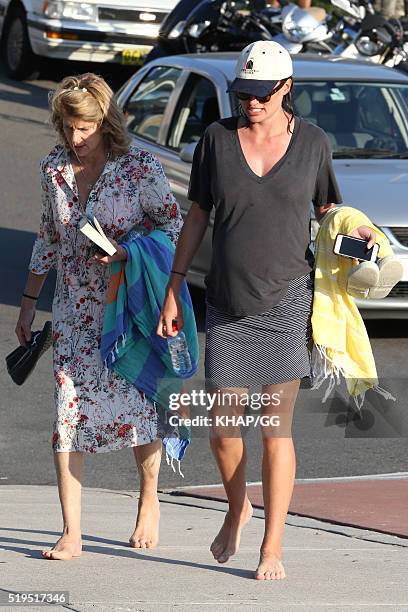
column 21, row 362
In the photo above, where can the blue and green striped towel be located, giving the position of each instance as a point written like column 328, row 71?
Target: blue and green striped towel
column 129, row 343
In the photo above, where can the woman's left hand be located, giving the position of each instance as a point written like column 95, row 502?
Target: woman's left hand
column 364, row 233
column 104, row 259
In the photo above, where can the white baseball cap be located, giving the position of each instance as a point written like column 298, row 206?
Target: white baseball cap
column 260, row 66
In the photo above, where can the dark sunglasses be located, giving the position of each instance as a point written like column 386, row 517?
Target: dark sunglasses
column 246, row 96
column 262, row 99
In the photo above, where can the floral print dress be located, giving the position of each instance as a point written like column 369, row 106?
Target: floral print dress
column 96, row 409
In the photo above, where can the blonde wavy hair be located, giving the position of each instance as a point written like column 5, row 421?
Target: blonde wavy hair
column 89, row 98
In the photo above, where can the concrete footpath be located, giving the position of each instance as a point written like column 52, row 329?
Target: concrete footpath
column 329, row 566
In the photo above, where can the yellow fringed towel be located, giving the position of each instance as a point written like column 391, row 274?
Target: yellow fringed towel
column 341, row 343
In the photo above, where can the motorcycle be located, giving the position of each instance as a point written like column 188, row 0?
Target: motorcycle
column 371, row 37
column 305, row 30
column 215, row 25
column 359, row 33
column 197, row 26
column 309, row 29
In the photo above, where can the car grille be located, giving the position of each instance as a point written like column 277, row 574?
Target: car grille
column 399, row 291
column 115, row 14
column 401, row 234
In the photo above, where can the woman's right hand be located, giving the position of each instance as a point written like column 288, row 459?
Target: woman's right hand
column 24, row 323
column 171, row 311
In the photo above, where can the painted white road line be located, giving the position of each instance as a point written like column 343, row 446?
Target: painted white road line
column 388, row 476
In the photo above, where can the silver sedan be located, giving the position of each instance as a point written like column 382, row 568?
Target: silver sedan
column 361, row 106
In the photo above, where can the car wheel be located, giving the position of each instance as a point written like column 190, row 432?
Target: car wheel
column 20, row 60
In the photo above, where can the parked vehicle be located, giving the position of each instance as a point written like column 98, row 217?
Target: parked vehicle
column 359, row 33
column 197, row 26
column 122, row 31
column 305, row 30
column 380, row 41
column 362, row 34
column 362, row 107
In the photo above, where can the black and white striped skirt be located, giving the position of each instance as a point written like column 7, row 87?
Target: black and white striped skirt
column 267, row 348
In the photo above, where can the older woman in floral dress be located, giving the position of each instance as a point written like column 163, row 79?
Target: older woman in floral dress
column 95, row 171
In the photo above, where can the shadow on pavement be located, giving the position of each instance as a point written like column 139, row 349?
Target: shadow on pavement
column 127, row 552
column 24, row 120
column 23, row 92
column 55, row 70
column 15, row 253
column 114, row 74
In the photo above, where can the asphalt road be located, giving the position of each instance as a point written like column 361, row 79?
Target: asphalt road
column 330, row 440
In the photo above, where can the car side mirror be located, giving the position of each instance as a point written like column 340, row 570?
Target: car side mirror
column 186, row 154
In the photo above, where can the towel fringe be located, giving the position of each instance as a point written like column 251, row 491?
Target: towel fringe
column 359, row 400
column 179, row 470
column 324, row 368
column 113, row 354
column 386, row 394
column 170, row 461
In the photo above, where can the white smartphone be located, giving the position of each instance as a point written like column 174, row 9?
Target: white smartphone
column 356, row 248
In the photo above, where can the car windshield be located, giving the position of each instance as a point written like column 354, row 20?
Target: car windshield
column 362, row 120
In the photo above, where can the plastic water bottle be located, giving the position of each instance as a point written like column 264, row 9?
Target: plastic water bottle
column 178, row 349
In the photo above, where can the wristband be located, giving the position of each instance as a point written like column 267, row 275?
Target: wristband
column 31, row 297
column 175, row 272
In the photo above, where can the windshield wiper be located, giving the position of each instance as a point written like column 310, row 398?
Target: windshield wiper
column 367, row 153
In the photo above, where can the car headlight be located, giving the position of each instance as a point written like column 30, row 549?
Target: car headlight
column 57, row 9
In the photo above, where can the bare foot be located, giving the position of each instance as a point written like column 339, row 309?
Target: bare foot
column 270, row 567
column 64, row 549
column 228, row 538
column 146, row 533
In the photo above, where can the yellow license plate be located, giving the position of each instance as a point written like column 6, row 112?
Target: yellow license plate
column 133, row 57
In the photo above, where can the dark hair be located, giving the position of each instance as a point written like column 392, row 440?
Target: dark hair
column 287, row 106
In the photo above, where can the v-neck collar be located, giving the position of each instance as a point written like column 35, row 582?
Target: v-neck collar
column 64, row 167
column 275, row 167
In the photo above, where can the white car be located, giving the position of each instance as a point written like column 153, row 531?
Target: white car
column 122, row 31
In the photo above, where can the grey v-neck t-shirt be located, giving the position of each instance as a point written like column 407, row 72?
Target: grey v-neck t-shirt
column 262, row 224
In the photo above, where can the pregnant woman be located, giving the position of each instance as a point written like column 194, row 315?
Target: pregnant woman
column 259, row 172
column 95, row 170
